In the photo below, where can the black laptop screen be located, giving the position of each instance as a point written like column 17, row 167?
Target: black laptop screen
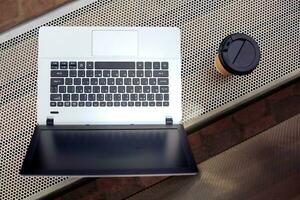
column 75, row 152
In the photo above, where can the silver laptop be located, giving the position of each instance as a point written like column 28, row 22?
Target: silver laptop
column 100, row 89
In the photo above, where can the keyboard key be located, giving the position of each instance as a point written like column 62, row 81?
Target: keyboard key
column 60, row 104
column 164, row 65
column 164, row 89
column 158, row 97
column 81, row 104
column 131, row 73
column 166, row 97
column 110, row 81
column 83, row 97
column 55, row 97
column 113, row 89
column 81, row 65
column 91, row 97
column 94, row 81
column 114, row 65
column 106, row 73
column 137, row 103
column 133, row 97
column 123, row 104
column 77, row 81
column 89, row 65
column 66, row 97
column 89, row 73
column 115, row 73
column 129, row 89
column 148, row 65
column 127, row 81
column 59, row 73
column 102, row 81
column 104, row 89
column 150, row 97
column 130, row 103
column 96, row 89
column 87, row 89
column 165, row 103
column 100, row 97
column 148, row 73
column 72, row 65
column 57, row 81
column 139, row 65
column 109, row 104
column 73, row 73
column 53, row 89
column 88, row 104
column 123, row 73
column 119, row 81
column 52, row 104
column 152, row 103
column 95, row 104
column 74, row 97
column 144, row 81
column 121, row 89
column 146, row 89
column 98, row 73
column 138, row 89
column 67, row 104
column 157, row 73
column 142, row 97
column 79, row 89
column 144, row 104
column 140, row 73
column 62, row 89
column 81, row 73
column 163, row 81
column 54, row 65
column 85, row 81
column 152, row 81
column 74, row 104
column 154, row 89
column 102, row 104
column 158, row 103
column 156, row 65
column 136, row 81
column 63, row 65
column 69, row 81
column 117, row 97
column 125, row 97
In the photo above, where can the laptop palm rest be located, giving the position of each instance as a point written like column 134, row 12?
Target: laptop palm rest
column 109, row 151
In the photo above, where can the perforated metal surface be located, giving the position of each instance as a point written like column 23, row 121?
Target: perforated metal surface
column 274, row 24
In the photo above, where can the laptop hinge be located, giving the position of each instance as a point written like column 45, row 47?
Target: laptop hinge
column 169, row 121
column 50, row 121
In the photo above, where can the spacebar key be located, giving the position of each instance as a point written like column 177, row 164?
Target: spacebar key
column 114, row 65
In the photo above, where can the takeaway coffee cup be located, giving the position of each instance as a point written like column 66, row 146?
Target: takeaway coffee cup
column 238, row 54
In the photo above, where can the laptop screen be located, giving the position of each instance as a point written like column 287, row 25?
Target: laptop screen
column 70, row 152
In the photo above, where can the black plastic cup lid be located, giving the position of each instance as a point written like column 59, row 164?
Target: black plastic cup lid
column 239, row 54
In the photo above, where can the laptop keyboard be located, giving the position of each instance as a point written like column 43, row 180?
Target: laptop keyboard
column 109, row 84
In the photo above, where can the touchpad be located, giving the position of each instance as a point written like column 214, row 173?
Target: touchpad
column 115, row 43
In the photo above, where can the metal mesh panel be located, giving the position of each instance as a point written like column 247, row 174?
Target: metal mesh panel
column 274, row 24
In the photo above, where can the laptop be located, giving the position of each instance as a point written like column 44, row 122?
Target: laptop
column 109, row 104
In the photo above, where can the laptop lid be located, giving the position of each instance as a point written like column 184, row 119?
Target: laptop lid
column 100, row 150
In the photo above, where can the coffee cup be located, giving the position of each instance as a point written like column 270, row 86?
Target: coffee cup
column 238, row 54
